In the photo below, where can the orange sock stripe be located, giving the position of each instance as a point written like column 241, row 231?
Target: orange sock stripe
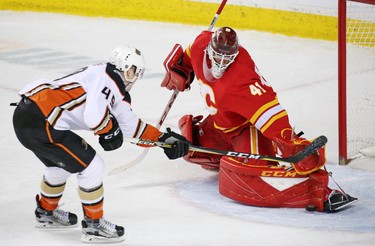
column 93, row 211
column 49, row 203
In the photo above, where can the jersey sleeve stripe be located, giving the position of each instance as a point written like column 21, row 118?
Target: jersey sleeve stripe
column 140, row 129
column 105, row 125
column 273, row 119
column 262, row 109
column 267, row 115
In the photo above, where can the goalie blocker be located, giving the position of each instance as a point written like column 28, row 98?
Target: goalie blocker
column 262, row 185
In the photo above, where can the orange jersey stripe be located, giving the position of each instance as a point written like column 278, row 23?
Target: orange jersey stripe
column 48, row 98
column 105, row 125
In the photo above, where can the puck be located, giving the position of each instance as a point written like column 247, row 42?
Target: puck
column 310, row 207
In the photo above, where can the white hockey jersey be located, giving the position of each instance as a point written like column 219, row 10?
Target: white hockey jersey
column 87, row 100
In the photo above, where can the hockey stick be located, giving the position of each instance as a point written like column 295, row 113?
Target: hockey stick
column 167, row 108
column 316, row 144
column 144, row 152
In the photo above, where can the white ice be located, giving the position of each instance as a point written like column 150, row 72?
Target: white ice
column 162, row 202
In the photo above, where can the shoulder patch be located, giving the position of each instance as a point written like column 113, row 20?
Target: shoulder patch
column 113, row 74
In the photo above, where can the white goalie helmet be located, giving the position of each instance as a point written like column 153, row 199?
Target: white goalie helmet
column 222, row 50
column 129, row 60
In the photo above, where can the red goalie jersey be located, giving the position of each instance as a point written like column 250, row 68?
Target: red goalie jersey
column 241, row 97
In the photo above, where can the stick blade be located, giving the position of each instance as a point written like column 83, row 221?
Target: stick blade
column 316, row 144
column 128, row 165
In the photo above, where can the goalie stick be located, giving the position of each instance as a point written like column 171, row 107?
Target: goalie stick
column 316, row 144
column 166, row 110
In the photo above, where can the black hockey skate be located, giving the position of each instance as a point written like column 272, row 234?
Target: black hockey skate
column 54, row 219
column 101, row 230
column 337, row 201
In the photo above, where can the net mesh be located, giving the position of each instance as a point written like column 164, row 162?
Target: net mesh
column 360, row 77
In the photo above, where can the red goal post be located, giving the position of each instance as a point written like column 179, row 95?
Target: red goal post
column 356, row 119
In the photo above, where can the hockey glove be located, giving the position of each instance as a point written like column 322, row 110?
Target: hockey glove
column 180, row 145
column 179, row 75
column 113, row 139
column 308, row 165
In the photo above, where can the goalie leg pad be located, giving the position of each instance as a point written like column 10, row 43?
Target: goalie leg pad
column 271, row 186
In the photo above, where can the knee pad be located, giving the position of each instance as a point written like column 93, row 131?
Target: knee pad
column 56, row 175
column 92, row 176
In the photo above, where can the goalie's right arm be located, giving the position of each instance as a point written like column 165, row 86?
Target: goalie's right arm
column 179, row 73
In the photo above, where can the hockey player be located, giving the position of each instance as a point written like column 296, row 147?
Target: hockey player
column 94, row 98
column 246, row 116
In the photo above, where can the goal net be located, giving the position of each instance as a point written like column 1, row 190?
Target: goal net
column 356, row 79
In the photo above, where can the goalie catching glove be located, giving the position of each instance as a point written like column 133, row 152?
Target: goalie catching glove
column 178, row 75
column 180, row 145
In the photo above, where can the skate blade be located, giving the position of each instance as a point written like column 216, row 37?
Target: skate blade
column 350, row 202
column 97, row 239
column 47, row 226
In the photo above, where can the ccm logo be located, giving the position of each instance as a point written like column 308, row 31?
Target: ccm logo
column 242, row 155
column 146, row 142
column 278, row 174
column 114, row 134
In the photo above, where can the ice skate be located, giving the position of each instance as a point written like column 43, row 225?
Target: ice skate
column 337, row 201
column 101, row 231
column 54, row 219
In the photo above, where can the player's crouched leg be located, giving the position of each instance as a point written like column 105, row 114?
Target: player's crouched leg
column 273, row 186
column 189, row 129
column 95, row 228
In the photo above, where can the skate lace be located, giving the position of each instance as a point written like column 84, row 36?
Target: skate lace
column 107, row 225
column 61, row 214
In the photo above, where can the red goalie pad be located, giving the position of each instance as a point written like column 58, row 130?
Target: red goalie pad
column 188, row 126
column 272, row 186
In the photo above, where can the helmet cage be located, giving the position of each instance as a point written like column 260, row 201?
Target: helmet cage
column 220, row 62
column 222, row 50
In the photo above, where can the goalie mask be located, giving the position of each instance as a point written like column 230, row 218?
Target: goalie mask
column 130, row 61
column 222, row 50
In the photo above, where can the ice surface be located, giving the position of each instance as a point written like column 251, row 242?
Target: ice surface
column 162, row 202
